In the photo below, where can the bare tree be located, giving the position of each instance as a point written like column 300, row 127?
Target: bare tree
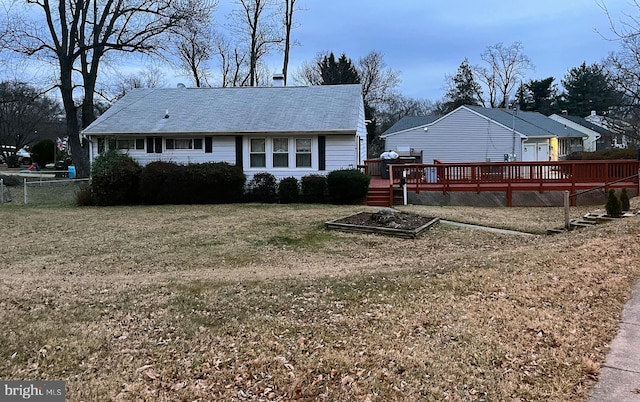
column 624, row 70
column 152, row 77
column 289, row 9
column 77, row 34
column 195, row 47
column 506, row 67
column 378, row 81
column 255, row 25
column 308, row 73
column 233, row 62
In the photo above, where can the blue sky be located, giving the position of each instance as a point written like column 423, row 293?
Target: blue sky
column 427, row 39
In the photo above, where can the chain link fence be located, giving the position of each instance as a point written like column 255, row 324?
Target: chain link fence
column 40, row 189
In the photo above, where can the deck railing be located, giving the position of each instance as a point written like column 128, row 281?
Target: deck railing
column 511, row 176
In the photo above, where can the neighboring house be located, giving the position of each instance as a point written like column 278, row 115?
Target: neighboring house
column 477, row 134
column 599, row 138
column 617, row 138
column 287, row 131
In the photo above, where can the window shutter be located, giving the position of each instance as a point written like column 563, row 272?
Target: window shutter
column 149, row 145
column 239, row 161
column 208, row 145
column 322, row 154
column 158, row 145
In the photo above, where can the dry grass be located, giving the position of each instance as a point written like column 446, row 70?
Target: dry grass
column 251, row 302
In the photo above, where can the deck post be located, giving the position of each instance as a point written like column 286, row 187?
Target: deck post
column 567, row 217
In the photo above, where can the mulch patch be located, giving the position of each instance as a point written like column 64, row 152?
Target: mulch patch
column 384, row 222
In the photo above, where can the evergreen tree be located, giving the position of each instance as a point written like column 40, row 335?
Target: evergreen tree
column 538, row 96
column 335, row 72
column 588, row 88
column 464, row 89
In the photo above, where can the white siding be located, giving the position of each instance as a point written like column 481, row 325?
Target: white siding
column 224, row 150
column 462, row 136
column 362, row 137
column 341, row 152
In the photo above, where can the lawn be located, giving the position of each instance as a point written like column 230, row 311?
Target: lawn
column 260, row 302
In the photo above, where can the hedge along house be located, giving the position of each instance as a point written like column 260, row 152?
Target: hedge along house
column 286, row 131
column 477, row 134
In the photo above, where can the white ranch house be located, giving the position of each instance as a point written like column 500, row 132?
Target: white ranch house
column 287, row 131
column 477, row 134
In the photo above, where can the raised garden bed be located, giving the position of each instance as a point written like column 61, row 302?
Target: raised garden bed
column 386, row 222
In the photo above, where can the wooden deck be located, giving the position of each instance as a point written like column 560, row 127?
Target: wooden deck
column 505, row 177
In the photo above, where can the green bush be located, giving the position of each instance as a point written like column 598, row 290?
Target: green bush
column 262, row 188
column 196, row 183
column 215, row 183
column 605, row 154
column 624, row 200
column 158, row 183
column 613, row 205
column 114, row 179
column 314, row 188
column 288, row 190
column 43, row 152
column 347, row 186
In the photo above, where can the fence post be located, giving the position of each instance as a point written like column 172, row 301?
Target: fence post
column 1, row 191
column 25, row 191
column 567, row 218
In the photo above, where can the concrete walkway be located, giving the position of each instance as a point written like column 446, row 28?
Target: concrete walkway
column 620, row 374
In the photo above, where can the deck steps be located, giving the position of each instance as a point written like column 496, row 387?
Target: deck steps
column 378, row 197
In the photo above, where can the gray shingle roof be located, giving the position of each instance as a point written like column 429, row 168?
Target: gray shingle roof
column 408, row 122
column 587, row 124
column 531, row 124
column 330, row 108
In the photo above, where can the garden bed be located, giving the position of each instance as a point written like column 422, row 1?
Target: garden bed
column 386, row 222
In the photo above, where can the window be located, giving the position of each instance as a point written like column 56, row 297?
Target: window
column 129, row 143
column 183, row 143
column 280, row 152
column 303, row 152
column 257, row 156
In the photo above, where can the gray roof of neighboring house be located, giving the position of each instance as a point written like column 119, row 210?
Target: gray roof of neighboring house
column 587, row 124
column 530, row 124
column 408, row 122
column 321, row 109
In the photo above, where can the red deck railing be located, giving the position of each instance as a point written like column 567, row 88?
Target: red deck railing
column 510, row 176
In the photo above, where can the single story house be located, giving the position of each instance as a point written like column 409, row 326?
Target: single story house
column 477, row 134
column 287, row 131
column 598, row 137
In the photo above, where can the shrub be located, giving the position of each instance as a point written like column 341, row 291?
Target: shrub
column 196, row 183
column 262, row 188
column 44, row 152
column 613, row 205
column 84, row 197
column 314, row 188
column 624, row 200
column 288, row 190
column 214, row 183
column 160, row 183
column 605, row 154
column 114, row 179
column 347, row 186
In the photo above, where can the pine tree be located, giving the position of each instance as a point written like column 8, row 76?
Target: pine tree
column 588, row 88
column 613, row 205
column 335, row 72
column 464, row 89
column 624, row 200
column 538, row 96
